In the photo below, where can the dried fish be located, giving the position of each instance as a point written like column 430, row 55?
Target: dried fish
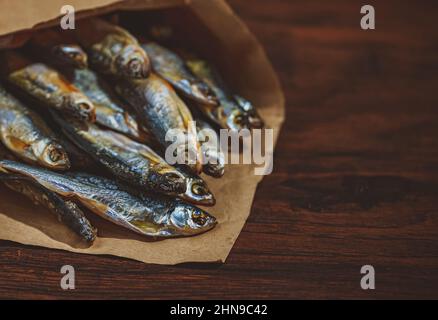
column 151, row 215
column 254, row 121
column 111, row 49
column 126, row 159
column 24, row 133
column 197, row 191
column 172, row 68
column 234, row 112
column 47, row 86
column 67, row 211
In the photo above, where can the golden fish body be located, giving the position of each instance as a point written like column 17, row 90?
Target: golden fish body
column 25, row 134
column 53, row 90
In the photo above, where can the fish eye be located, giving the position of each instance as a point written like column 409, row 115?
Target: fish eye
column 199, row 189
column 199, row 218
column 238, row 119
column 135, row 65
column 55, row 155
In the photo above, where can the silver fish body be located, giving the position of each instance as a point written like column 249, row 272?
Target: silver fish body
column 25, row 134
column 160, row 110
column 151, row 215
column 126, row 159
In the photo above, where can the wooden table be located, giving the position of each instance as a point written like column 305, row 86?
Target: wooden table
column 355, row 180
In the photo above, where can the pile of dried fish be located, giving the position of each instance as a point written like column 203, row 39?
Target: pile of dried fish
column 59, row 114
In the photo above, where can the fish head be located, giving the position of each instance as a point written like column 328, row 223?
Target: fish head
column 204, row 93
column 199, row 90
column 71, row 54
column 51, row 155
column 214, row 170
column 216, row 165
column 133, row 62
column 254, row 121
column 198, row 192
column 80, row 106
column 189, row 220
column 236, row 120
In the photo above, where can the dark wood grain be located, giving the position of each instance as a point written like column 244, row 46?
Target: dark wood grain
column 355, row 179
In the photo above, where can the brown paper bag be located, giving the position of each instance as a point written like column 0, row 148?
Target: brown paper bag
column 245, row 66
